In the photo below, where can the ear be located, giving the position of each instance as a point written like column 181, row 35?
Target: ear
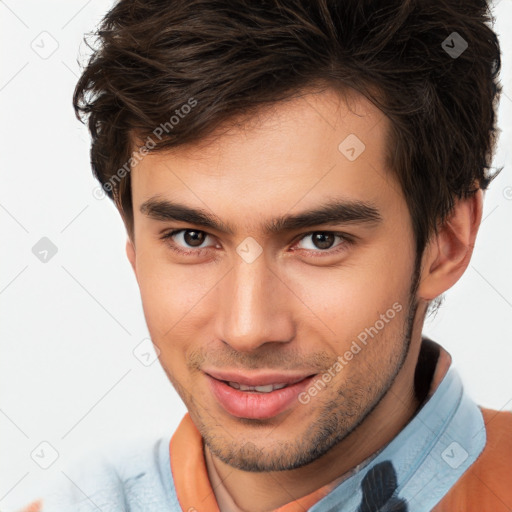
column 130, row 252
column 448, row 253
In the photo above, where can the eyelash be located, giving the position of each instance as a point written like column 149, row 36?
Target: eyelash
column 346, row 241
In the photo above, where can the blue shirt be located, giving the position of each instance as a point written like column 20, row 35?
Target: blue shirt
column 411, row 473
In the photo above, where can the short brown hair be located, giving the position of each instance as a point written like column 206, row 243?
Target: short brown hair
column 229, row 58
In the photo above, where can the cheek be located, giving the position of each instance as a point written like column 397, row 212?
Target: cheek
column 353, row 294
column 172, row 297
column 167, row 303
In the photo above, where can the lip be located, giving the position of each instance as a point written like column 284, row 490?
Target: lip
column 257, row 379
column 255, row 405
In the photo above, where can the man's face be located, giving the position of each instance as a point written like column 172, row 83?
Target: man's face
column 287, row 301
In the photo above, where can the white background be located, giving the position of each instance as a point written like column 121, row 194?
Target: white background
column 69, row 326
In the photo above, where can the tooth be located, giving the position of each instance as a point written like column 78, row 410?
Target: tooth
column 264, row 389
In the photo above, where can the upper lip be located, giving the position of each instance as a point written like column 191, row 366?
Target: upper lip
column 257, row 379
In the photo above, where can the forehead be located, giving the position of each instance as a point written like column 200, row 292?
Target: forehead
column 293, row 154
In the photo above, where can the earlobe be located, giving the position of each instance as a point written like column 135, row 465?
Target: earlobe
column 448, row 253
column 130, row 253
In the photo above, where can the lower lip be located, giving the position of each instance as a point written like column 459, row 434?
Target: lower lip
column 255, row 405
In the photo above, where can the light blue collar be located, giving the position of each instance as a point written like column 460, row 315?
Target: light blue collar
column 414, row 471
column 422, row 462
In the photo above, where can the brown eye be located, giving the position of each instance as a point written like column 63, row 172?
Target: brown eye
column 186, row 241
column 319, row 243
column 193, row 238
column 323, row 240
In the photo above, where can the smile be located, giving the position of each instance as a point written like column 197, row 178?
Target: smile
column 257, row 402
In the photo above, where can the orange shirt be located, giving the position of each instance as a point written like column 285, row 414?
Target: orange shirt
column 487, row 483
column 452, row 456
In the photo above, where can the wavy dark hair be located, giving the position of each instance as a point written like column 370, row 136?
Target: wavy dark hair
column 233, row 57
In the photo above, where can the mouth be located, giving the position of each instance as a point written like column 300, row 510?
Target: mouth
column 257, row 401
column 260, row 389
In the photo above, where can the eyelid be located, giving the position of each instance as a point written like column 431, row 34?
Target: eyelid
column 168, row 236
column 337, row 251
column 346, row 240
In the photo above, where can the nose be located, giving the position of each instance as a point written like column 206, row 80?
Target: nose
column 255, row 307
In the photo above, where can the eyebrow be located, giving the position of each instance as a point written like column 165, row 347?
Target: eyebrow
column 334, row 212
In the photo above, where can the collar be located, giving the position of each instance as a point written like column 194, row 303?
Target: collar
column 415, row 470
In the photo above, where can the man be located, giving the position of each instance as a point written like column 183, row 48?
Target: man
column 300, row 181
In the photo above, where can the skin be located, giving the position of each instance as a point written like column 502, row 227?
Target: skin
column 295, row 307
